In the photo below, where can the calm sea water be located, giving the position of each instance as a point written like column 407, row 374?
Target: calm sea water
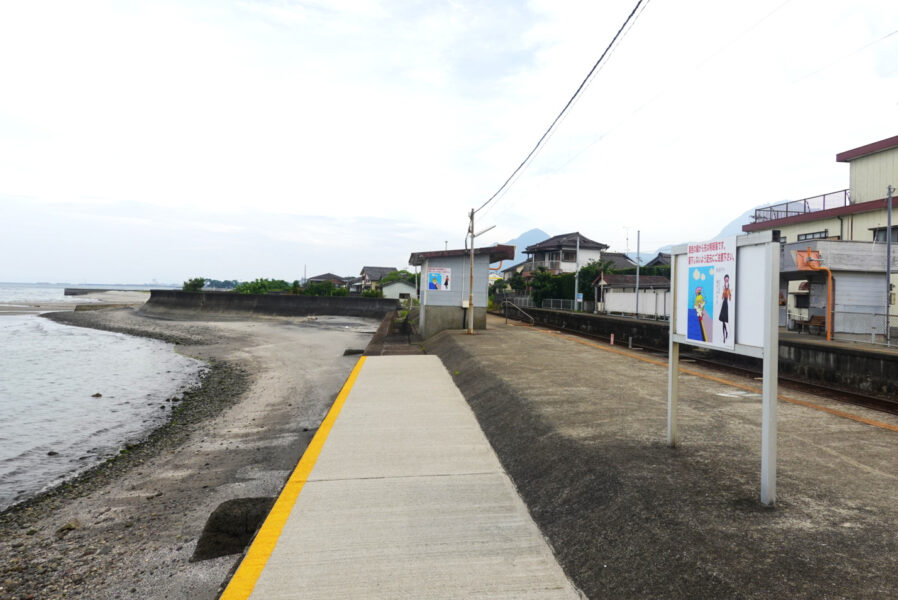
column 48, row 376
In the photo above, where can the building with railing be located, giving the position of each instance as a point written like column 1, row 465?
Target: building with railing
column 846, row 289
column 856, row 214
column 562, row 253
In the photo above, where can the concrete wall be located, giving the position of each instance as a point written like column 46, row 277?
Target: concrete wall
column 392, row 290
column 813, row 361
column 440, row 318
column 171, row 301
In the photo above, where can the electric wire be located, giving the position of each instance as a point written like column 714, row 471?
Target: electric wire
column 580, row 88
column 590, row 78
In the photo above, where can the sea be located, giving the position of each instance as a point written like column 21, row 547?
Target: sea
column 70, row 397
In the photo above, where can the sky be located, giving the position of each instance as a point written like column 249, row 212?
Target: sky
column 235, row 139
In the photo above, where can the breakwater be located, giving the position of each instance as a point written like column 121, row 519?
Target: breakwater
column 852, row 367
column 163, row 302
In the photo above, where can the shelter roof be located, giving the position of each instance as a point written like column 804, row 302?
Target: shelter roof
column 496, row 253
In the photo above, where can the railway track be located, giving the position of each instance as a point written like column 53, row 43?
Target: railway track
column 873, row 402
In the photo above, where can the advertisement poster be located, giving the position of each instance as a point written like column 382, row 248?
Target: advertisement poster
column 438, row 279
column 712, row 292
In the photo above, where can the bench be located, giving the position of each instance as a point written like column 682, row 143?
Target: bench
column 815, row 321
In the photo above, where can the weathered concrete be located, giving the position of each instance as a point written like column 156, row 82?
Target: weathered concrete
column 581, row 432
column 408, row 500
column 439, row 318
column 163, row 302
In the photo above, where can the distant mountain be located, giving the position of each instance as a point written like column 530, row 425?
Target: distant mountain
column 734, row 227
column 528, row 238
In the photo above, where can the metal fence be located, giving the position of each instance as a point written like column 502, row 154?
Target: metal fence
column 805, row 205
column 850, row 326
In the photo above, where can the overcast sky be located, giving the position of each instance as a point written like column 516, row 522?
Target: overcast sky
column 162, row 140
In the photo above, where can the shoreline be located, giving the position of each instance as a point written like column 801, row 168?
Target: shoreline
column 128, row 525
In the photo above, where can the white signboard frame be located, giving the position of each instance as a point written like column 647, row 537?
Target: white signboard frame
column 755, row 332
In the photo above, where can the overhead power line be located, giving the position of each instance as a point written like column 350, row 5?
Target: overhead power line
column 566, row 106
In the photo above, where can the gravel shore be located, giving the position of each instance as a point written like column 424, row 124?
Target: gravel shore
column 127, row 528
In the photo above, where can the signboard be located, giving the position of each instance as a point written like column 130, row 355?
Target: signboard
column 438, row 278
column 713, row 304
column 712, row 292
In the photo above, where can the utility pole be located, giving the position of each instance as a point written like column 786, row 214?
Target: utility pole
column 637, row 273
column 471, row 282
column 889, row 265
column 577, row 275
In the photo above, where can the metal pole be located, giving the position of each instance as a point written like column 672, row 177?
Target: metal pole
column 673, row 363
column 770, row 372
column 888, row 264
column 637, row 273
column 577, row 272
column 471, row 286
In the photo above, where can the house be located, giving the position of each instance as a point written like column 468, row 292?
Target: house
column 619, row 261
column 353, row 284
column 856, row 214
column 843, row 233
column 662, row 260
column 372, row 275
column 616, row 293
column 336, row 280
column 446, row 286
column 559, row 254
column 399, row 289
column 514, row 269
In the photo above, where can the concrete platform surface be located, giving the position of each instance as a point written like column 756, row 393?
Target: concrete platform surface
column 580, row 427
column 407, row 500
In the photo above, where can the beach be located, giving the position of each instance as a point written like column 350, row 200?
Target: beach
column 129, row 527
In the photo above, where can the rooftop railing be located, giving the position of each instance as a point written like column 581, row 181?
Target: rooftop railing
column 801, row 207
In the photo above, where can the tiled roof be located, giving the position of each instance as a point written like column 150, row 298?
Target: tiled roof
column 566, row 240
column 376, row 273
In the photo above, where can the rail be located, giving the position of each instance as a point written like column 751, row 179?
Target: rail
column 507, row 303
column 803, row 206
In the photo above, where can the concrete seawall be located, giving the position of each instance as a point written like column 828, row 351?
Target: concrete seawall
column 164, row 302
column 852, row 367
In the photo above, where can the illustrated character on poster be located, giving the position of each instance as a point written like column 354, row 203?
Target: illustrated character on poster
column 725, row 298
column 446, row 282
column 434, row 283
column 699, row 306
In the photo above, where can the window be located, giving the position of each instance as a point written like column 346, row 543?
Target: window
column 879, row 234
column 802, row 301
column 569, row 255
column 817, row 235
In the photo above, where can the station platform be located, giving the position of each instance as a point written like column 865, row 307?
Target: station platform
column 580, row 427
column 399, row 495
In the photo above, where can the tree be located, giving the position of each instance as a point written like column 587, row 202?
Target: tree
column 372, row 294
column 194, row 285
column 401, row 275
column 517, row 282
column 262, row 286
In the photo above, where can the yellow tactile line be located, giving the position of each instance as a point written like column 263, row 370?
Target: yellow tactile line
column 832, row 411
column 244, row 580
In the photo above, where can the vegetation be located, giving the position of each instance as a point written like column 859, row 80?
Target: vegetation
column 401, row 275
column 372, row 294
column 263, row 286
column 227, row 284
column 324, row 288
column 194, row 285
